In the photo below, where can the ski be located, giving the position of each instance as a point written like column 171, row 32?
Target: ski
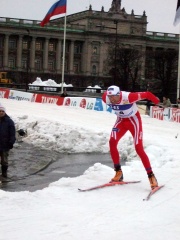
column 153, row 191
column 11, row 179
column 107, row 185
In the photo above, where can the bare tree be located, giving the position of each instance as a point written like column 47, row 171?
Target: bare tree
column 124, row 65
column 161, row 70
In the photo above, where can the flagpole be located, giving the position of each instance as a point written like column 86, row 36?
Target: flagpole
column 64, row 49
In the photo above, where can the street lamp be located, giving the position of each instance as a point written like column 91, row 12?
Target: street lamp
column 116, row 38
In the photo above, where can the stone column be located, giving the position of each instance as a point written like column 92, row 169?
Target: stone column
column 32, row 53
column 45, row 54
column 86, row 59
column 143, row 62
column 101, row 58
column 19, row 52
column 58, row 55
column 6, row 52
column 71, row 58
column 89, row 53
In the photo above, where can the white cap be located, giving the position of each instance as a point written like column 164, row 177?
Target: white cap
column 113, row 90
column 2, row 108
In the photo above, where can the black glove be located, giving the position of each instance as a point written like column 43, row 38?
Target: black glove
column 10, row 145
column 21, row 132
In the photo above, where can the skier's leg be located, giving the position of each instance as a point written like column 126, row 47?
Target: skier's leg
column 135, row 127
column 4, row 163
column 137, row 133
column 117, row 132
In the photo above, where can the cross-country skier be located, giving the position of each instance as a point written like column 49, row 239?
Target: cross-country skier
column 128, row 119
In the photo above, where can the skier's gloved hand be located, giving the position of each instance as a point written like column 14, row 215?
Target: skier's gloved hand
column 21, row 132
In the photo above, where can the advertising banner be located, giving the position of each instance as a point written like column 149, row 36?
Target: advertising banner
column 20, row 96
column 44, row 98
column 156, row 112
column 4, row 93
column 168, row 114
column 175, row 115
column 86, row 103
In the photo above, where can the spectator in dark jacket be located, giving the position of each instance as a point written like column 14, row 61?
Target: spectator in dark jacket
column 64, row 94
column 7, row 138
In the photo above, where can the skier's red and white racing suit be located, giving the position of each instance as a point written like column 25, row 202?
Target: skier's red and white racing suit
column 128, row 118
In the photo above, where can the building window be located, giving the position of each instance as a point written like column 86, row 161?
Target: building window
column 38, row 46
column 25, row 45
column 76, row 68
column 95, row 50
column 24, row 63
column 11, row 63
column 12, row 44
column 51, row 47
column 77, row 49
column 51, row 65
column 38, row 64
column 94, row 70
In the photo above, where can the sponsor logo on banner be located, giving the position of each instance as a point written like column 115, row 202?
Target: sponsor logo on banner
column 20, row 96
column 4, row 93
column 98, row 105
column 175, row 115
column 52, row 100
column 43, row 98
column 157, row 113
column 67, row 102
column 89, row 106
column 70, row 102
column 83, row 103
column 86, row 103
column 33, row 99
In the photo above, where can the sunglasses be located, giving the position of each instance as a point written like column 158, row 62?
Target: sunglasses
column 1, row 111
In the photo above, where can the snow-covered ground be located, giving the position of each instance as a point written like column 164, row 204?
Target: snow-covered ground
column 61, row 212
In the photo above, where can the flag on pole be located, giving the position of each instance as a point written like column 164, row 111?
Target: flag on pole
column 177, row 16
column 57, row 8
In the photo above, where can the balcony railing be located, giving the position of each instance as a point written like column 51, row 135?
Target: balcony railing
column 15, row 22
column 165, row 36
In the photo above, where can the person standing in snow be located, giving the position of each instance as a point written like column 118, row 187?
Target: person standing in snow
column 64, row 94
column 7, row 139
column 128, row 119
column 166, row 102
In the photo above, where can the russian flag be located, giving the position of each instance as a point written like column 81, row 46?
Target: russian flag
column 57, row 8
column 177, row 16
